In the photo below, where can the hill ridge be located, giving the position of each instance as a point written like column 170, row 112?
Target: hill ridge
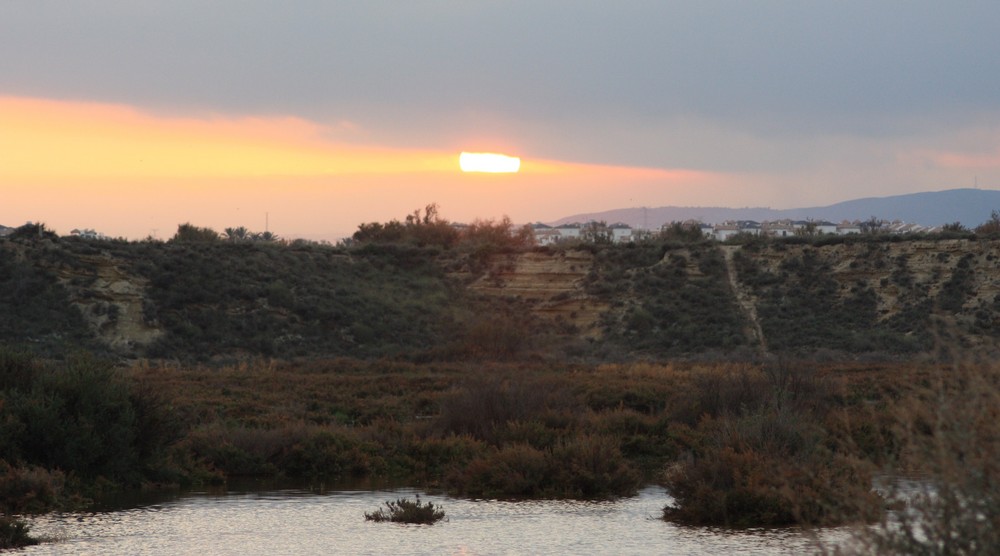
column 889, row 295
column 968, row 206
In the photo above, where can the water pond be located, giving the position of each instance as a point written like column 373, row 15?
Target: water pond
column 303, row 521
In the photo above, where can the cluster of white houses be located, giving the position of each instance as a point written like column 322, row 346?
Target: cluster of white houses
column 623, row 233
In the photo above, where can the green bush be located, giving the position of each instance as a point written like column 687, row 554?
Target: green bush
column 81, row 417
column 35, row 309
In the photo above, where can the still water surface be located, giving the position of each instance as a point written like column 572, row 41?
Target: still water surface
column 304, row 522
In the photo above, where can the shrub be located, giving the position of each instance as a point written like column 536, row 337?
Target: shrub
column 485, row 405
column 514, row 471
column 405, row 511
column 35, row 309
column 191, row 233
column 433, row 457
column 768, row 469
column 17, row 370
column 298, row 450
column 497, row 337
column 29, row 489
column 82, row 417
column 496, row 236
column 584, row 467
column 427, row 228
column 593, row 467
column 728, row 488
column 14, row 533
column 31, row 231
column 991, row 227
column 761, row 454
column 950, row 431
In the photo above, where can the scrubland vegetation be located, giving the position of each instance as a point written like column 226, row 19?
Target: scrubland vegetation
column 736, row 444
column 374, row 360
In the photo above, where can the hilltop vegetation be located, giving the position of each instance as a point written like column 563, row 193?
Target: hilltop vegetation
column 426, row 290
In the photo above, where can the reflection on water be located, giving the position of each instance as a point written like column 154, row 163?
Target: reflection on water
column 302, row 522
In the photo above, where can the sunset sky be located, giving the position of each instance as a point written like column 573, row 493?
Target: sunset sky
column 315, row 116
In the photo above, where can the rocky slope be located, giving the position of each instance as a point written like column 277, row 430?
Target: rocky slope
column 111, row 300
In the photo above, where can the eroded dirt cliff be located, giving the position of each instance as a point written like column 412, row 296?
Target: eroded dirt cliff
column 111, row 301
column 553, row 284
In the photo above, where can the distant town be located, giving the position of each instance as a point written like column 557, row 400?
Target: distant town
column 625, row 233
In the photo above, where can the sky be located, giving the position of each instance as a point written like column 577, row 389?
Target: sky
column 309, row 118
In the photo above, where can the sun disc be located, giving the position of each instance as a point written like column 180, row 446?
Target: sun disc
column 489, row 162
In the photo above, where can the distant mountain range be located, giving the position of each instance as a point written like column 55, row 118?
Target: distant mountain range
column 971, row 207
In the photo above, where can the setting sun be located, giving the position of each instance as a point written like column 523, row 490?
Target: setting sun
column 489, row 162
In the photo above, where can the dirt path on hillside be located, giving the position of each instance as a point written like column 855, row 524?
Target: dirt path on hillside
column 744, row 299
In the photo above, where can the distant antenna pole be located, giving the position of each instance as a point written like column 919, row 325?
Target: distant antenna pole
column 267, row 222
column 645, row 218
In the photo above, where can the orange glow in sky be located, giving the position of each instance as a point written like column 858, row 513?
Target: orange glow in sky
column 48, row 139
column 130, row 173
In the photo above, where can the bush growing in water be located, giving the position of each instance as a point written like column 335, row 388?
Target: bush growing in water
column 404, row 510
column 761, row 456
column 534, row 450
column 765, row 469
column 14, row 533
column 29, row 489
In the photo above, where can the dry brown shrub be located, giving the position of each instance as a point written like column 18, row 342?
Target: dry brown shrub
column 945, row 485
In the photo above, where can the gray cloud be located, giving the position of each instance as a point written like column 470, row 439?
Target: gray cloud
column 564, row 76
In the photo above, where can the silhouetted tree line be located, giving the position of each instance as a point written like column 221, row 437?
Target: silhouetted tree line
column 427, row 227
column 194, row 234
